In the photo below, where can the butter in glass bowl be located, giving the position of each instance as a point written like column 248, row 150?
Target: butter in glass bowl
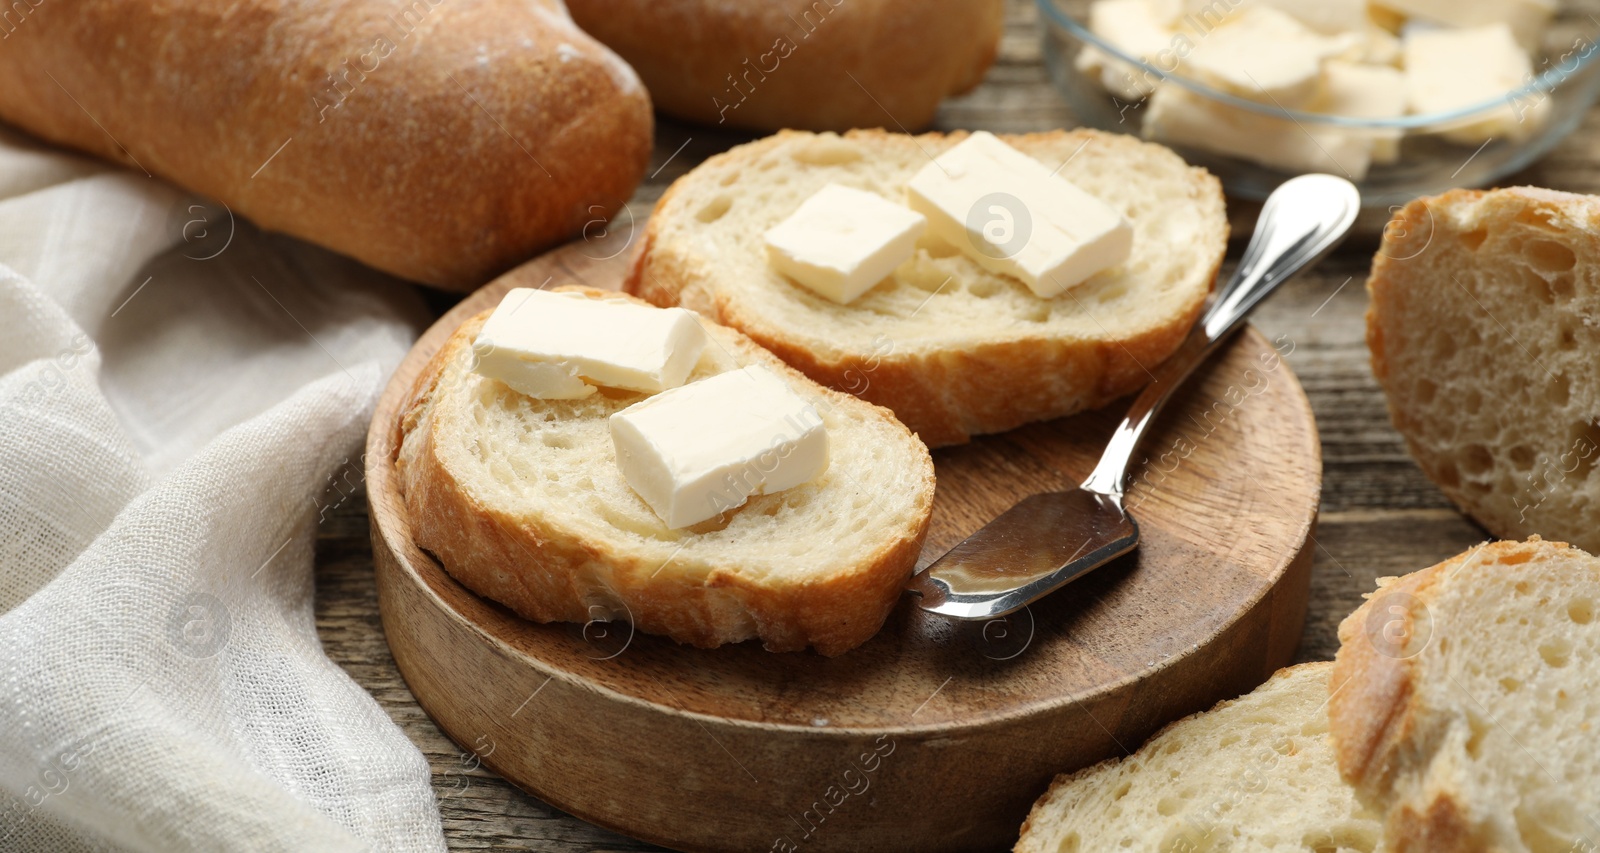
column 1402, row 97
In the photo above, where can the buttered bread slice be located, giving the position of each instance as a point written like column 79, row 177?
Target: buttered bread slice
column 522, row 501
column 953, row 348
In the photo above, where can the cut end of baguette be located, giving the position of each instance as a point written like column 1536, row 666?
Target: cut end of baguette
column 953, row 349
column 522, row 501
column 1463, row 698
column 1252, row 775
column 1484, row 328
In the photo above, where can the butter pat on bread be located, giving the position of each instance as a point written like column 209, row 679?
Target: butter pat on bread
column 1013, row 216
column 560, row 346
column 842, row 241
column 699, row 451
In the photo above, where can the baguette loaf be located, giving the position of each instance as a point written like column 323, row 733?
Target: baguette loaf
column 522, row 501
column 1484, row 337
column 952, row 349
column 439, row 141
column 1466, row 698
column 813, row 64
column 1252, row 775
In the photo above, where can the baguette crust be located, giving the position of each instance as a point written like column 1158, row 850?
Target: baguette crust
column 947, row 394
column 1384, row 733
column 543, row 571
column 812, row 64
column 441, row 142
column 1373, row 708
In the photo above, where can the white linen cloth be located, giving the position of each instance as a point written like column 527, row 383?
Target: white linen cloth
column 176, row 390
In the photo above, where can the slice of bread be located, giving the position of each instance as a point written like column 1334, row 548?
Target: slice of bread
column 1252, row 775
column 522, row 501
column 1466, row 701
column 953, row 349
column 1484, row 328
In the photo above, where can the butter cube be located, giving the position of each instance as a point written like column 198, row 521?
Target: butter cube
column 1179, row 117
column 702, row 449
column 1013, row 216
column 1329, row 17
column 1165, row 11
column 1196, row 16
column 1526, row 18
column 559, row 346
column 1366, row 91
column 1136, row 28
column 1348, row 89
column 1451, row 69
column 1265, row 55
column 1379, row 46
column 842, row 241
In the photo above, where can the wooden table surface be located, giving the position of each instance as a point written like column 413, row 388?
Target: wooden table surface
column 1379, row 516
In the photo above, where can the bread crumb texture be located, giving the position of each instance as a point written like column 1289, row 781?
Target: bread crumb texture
column 1478, row 733
column 1252, row 774
column 1484, row 328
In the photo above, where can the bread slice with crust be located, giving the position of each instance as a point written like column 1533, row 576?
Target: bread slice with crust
column 522, row 501
column 1252, row 775
column 1484, row 328
column 952, row 349
column 1466, row 701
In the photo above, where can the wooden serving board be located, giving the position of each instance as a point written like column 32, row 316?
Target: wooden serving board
column 936, row 735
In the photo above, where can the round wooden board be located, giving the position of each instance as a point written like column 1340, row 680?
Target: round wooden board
column 935, row 735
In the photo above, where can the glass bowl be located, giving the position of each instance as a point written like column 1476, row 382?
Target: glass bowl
column 1422, row 154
